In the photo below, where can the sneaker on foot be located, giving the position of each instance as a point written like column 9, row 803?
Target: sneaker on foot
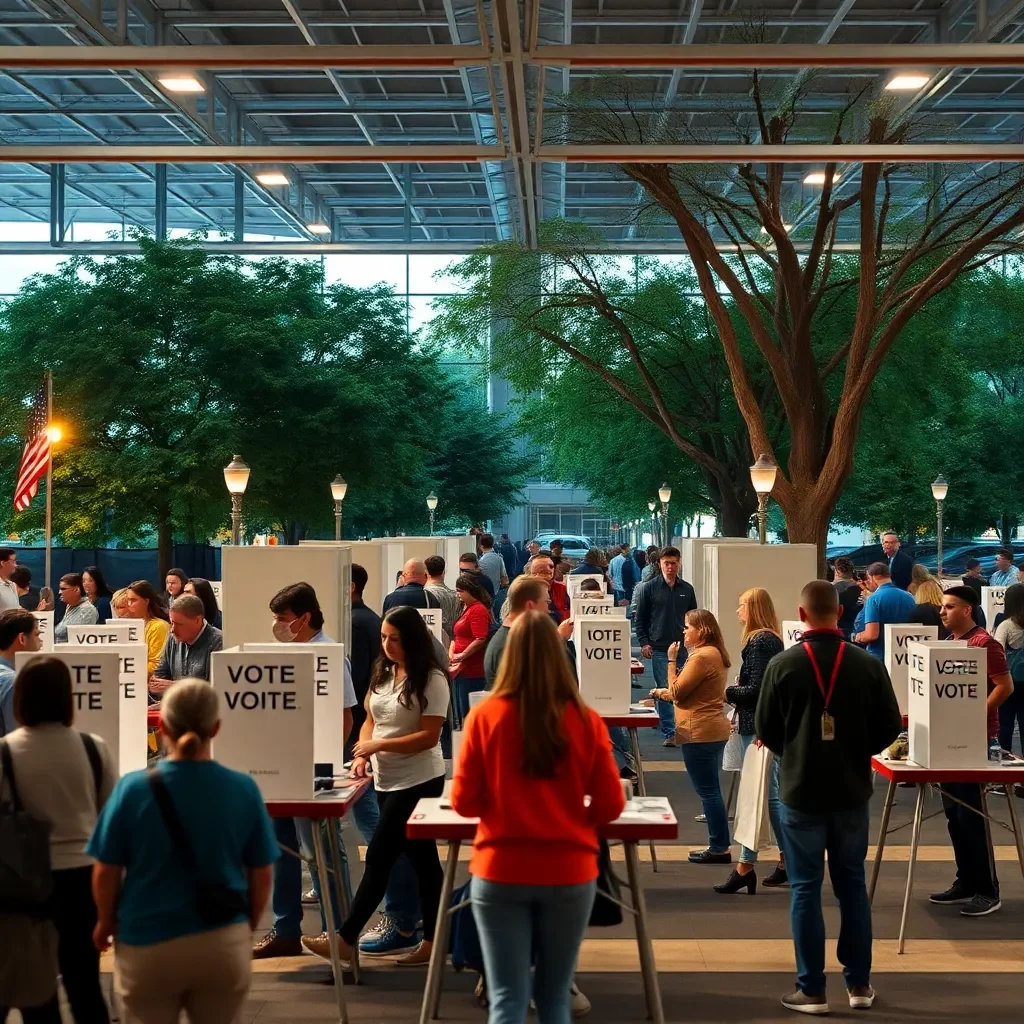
column 272, row 945
column 956, row 893
column 861, row 997
column 777, row 878
column 668, row 742
column 321, row 946
column 709, row 857
column 309, row 898
column 804, row 1003
column 417, row 957
column 981, row 906
column 580, row 1003
column 387, row 940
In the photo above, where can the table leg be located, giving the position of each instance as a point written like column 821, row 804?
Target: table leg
column 332, row 925
column 988, row 832
column 648, row 969
column 439, row 952
column 1018, row 837
column 641, row 782
column 890, row 798
column 333, row 824
column 915, row 839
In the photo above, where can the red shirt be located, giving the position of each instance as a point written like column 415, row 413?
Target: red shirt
column 559, row 601
column 996, row 666
column 535, row 831
column 473, row 624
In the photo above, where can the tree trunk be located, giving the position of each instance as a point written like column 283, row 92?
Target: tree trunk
column 807, row 522
column 734, row 514
column 164, row 541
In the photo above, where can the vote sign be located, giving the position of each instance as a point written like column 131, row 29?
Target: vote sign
column 896, row 657
column 603, row 663
column 328, row 698
column 573, row 583
column 587, row 606
column 267, row 717
column 993, row 600
column 432, row 617
column 792, row 633
column 947, row 689
column 91, row 636
column 218, row 588
column 45, row 620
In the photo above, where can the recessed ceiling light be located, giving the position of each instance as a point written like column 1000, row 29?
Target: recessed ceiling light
column 272, row 178
column 318, row 228
column 906, row 82
column 818, row 178
column 181, row 83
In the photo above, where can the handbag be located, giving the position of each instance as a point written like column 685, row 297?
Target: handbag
column 26, row 880
column 732, row 755
column 217, row 904
column 606, row 911
column 752, row 825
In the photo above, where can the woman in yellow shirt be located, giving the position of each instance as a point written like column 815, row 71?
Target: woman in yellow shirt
column 145, row 603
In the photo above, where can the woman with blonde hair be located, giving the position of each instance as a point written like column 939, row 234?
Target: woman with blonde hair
column 530, row 755
column 119, row 604
column 698, row 692
column 919, row 575
column 929, row 600
column 761, row 640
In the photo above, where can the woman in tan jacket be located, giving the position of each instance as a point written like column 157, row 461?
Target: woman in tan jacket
column 698, row 692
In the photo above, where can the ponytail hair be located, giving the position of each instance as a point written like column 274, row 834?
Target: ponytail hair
column 190, row 714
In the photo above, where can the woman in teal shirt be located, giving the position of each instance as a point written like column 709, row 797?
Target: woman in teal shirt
column 168, row 957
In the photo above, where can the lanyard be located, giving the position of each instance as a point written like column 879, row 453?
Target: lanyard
column 817, row 672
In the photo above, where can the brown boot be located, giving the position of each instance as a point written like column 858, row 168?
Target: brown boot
column 272, row 945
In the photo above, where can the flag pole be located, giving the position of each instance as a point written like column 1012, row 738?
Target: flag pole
column 49, row 477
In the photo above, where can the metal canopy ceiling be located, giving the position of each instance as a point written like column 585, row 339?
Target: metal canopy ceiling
column 426, row 124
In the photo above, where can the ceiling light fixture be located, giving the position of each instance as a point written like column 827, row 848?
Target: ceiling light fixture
column 906, row 82
column 818, row 178
column 272, row 178
column 181, row 83
column 319, row 228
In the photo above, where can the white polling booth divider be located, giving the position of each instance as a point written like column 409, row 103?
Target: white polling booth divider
column 45, row 620
column 993, row 600
column 731, row 568
column 573, row 583
column 370, row 555
column 132, row 631
column 897, row 656
column 590, row 606
column 947, row 714
column 90, row 636
column 217, row 588
column 328, row 697
column 792, row 632
column 267, row 716
column 603, row 658
column 432, row 617
column 691, row 568
column 450, row 550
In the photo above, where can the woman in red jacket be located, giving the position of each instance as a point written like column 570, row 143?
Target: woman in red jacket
column 470, row 634
column 530, row 755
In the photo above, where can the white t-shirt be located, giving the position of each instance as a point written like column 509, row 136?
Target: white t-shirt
column 391, row 719
column 8, row 595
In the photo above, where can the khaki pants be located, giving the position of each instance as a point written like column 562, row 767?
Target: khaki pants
column 206, row 974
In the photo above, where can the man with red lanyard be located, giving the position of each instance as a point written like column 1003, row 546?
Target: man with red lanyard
column 826, row 707
column 976, row 884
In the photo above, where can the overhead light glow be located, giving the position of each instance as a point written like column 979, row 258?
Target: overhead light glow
column 818, row 178
column 906, row 82
column 181, row 83
column 318, row 228
column 785, row 227
column 272, row 178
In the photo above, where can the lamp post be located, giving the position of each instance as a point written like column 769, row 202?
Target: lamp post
column 236, row 476
column 940, row 487
column 431, row 505
column 762, row 476
column 665, row 494
column 338, row 491
column 652, row 505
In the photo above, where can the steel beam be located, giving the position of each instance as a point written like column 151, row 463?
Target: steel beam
column 147, row 154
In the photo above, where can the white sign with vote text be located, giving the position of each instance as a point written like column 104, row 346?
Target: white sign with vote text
column 993, row 600
column 792, row 633
column 432, row 617
column 603, row 659
column 45, row 620
column 587, row 607
column 897, row 637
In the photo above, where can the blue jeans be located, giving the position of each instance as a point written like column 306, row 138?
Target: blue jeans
column 844, row 835
column 622, row 748
column 703, row 762
column 524, row 924
column 750, row 856
column 461, row 689
column 666, row 709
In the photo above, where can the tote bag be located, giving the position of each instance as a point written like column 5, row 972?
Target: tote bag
column 752, row 827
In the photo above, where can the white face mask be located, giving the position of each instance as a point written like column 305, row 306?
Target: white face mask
column 283, row 632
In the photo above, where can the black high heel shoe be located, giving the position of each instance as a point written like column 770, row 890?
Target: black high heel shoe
column 736, row 882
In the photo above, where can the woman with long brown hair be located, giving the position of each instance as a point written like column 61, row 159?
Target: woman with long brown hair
column 698, row 692
column 143, row 602
column 530, row 755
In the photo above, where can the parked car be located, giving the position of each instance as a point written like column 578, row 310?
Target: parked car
column 954, row 560
column 574, row 545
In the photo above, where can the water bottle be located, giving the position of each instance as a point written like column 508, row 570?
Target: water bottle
column 995, row 752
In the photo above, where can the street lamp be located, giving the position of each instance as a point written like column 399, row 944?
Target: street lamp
column 338, row 491
column 762, row 476
column 236, row 477
column 940, row 487
column 431, row 505
column 652, row 505
column 665, row 494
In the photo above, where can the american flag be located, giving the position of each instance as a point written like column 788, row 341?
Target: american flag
column 36, row 456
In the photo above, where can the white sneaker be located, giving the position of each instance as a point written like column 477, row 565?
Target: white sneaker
column 861, row 997
column 580, row 1003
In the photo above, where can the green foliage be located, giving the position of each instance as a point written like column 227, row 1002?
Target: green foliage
column 167, row 362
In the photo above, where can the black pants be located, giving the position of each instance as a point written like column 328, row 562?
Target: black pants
column 74, row 916
column 974, row 867
column 389, row 842
column 1011, row 712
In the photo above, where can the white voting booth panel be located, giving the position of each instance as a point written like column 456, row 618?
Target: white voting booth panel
column 370, row 555
column 897, row 656
column 792, row 632
column 45, row 620
column 130, row 631
column 691, row 550
column 603, row 658
column 730, row 569
column 993, row 600
column 107, row 702
column 947, row 718
column 432, row 617
column 267, row 717
column 253, row 575
column 450, row 550
column 115, row 633
column 328, row 694
column 590, row 606
column 217, row 588
column 573, row 583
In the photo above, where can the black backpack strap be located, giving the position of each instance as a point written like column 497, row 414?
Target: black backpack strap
column 95, row 762
column 8, row 766
column 171, row 820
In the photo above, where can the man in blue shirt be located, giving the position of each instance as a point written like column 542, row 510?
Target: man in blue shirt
column 1006, row 572
column 887, row 604
column 615, row 573
column 19, row 631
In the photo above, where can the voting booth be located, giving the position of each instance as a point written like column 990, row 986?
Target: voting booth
column 108, row 691
column 432, row 617
column 792, row 632
column 116, row 631
column 216, row 587
column 947, row 691
column 603, row 658
column 45, row 620
column 993, row 600
column 267, row 716
column 691, row 568
column 573, row 583
column 253, row 575
column 591, row 605
column 897, row 641
column 731, row 568
column 370, row 555
column 450, row 548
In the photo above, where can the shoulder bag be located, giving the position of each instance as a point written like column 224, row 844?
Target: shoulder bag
column 26, row 881
column 217, row 904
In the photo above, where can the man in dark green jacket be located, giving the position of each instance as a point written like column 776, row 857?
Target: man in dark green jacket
column 826, row 707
